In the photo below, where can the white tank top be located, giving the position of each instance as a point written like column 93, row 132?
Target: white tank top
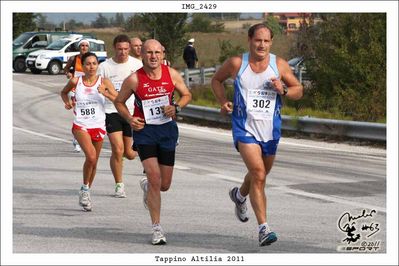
column 256, row 103
column 117, row 73
column 89, row 108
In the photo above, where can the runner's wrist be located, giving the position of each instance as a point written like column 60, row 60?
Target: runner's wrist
column 285, row 90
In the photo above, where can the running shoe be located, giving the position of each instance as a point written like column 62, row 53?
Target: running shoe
column 158, row 237
column 120, row 191
column 266, row 237
column 76, row 146
column 144, row 187
column 241, row 207
column 84, row 199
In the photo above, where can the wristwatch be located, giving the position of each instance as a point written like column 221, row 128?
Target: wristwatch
column 178, row 108
column 285, row 90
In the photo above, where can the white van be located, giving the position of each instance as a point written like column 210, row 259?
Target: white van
column 56, row 55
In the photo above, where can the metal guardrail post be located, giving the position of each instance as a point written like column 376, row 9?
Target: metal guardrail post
column 202, row 76
column 186, row 76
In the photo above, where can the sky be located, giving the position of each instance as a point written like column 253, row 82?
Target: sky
column 87, row 18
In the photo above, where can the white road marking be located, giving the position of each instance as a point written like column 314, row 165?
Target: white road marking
column 284, row 189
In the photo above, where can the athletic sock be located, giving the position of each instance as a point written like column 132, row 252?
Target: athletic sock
column 85, row 187
column 156, row 226
column 264, row 225
column 239, row 196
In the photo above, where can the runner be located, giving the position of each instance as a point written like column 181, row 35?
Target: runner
column 261, row 80
column 89, row 123
column 119, row 131
column 154, row 129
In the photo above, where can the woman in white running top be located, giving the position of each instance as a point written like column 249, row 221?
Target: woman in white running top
column 89, row 123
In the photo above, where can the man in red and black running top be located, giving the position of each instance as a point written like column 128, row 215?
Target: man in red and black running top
column 155, row 130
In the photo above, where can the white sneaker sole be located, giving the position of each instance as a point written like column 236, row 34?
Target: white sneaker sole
column 161, row 241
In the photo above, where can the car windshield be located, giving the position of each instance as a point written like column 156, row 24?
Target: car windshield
column 57, row 45
column 23, row 38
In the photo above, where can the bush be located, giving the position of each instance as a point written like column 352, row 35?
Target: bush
column 227, row 50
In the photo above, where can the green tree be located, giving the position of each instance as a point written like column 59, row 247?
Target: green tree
column 225, row 16
column 168, row 29
column 273, row 24
column 202, row 23
column 119, row 20
column 42, row 23
column 227, row 50
column 73, row 25
column 22, row 22
column 134, row 23
column 100, row 22
column 346, row 59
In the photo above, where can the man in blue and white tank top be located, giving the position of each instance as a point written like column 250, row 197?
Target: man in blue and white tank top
column 261, row 79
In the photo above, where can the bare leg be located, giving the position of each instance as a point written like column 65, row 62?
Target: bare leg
column 91, row 152
column 116, row 159
column 254, row 183
column 159, row 179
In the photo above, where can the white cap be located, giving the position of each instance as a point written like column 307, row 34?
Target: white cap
column 191, row 40
column 84, row 41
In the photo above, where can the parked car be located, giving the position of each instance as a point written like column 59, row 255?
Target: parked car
column 298, row 68
column 31, row 41
column 56, row 55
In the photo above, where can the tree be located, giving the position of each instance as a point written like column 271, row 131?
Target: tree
column 346, row 59
column 202, row 23
column 168, row 29
column 273, row 24
column 73, row 24
column 100, row 22
column 225, row 16
column 227, row 50
column 134, row 23
column 22, row 22
column 119, row 20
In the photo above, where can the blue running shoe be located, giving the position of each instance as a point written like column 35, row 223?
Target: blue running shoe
column 266, row 237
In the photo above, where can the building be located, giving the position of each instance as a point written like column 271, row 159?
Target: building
column 291, row 22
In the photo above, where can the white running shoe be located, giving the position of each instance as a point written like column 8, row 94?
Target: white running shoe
column 120, row 191
column 84, row 199
column 76, row 146
column 144, row 187
column 241, row 207
column 158, row 236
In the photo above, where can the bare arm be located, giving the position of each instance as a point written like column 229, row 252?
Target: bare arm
column 184, row 92
column 229, row 69
column 129, row 86
column 64, row 93
column 181, row 88
column 68, row 66
column 108, row 90
column 295, row 89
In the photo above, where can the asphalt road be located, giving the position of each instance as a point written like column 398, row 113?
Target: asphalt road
column 312, row 185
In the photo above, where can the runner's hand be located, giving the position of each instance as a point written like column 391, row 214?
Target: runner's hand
column 226, row 108
column 137, row 123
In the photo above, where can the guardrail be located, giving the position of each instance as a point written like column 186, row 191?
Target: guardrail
column 202, row 72
column 351, row 129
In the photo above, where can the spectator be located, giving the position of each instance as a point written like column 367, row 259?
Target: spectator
column 190, row 55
